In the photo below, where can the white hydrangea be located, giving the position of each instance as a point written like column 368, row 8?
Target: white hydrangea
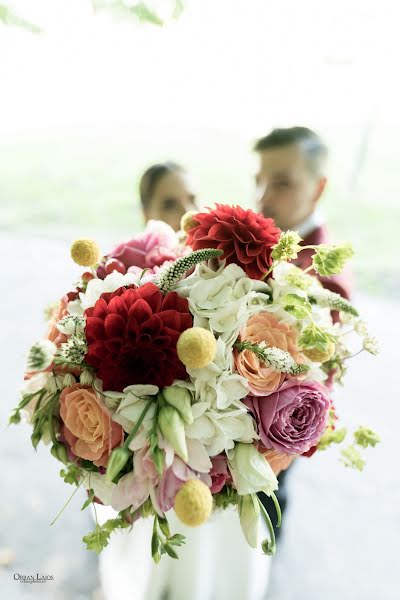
column 222, row 300
column 218, row 430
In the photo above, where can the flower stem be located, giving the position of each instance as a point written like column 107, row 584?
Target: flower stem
column 68, row 501
column 271, row 544
column 277, row 508
column 138, row 424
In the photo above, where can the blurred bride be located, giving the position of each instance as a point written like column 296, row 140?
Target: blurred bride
column 216, row 562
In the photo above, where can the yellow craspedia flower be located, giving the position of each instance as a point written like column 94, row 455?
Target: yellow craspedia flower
column 320, row 356
column 188, row 220
column 85, row 252
column 196, row 347
column 193, row 503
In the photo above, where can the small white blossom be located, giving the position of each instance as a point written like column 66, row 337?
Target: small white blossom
column 41, row 355
column 71, row 324
column 74, row 349
column 87, row 377
column 54, row 384
column 68, row 380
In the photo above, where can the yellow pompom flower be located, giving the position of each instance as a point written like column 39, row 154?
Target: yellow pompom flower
column 188, row 221
column 193, row 503
column 196, row 347
column 85, row 252
column 320, row 356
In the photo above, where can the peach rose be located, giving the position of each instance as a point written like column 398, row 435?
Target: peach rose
column 88, row 428
column 278, row 461
column 263, row 327
column 52, row 333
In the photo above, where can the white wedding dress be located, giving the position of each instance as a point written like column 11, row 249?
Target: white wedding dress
column 215, row 563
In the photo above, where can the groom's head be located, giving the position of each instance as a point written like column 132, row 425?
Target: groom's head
column 291, row 175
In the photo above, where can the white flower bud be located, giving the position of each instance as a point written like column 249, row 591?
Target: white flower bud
column 87, row 377
column 54, row 384
column 68, row 380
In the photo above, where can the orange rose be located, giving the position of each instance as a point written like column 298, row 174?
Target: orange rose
column 88, row 428
column 263, row 327
column 278, row 461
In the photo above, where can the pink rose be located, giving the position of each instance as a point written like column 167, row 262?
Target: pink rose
column 87, row 426
column 292, row 419
column 219, row 473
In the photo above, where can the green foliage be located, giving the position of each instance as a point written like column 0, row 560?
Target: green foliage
column 99, row 538
column 141, row 11
column 226, row 497
column 352, row 458
column 330, row 260
column 314, row 337
column 296, row 305
column 71, row 474
column 9, row 17
column 364, row 437
column 89, row 500
column 162, row 542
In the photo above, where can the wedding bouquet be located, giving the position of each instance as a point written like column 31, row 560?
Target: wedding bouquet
column 186, row 371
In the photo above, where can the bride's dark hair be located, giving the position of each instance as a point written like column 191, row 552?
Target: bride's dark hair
column 152, row 176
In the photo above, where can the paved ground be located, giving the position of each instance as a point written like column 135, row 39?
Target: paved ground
column 342, row 527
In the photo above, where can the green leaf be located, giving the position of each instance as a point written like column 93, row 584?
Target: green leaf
column 177, row 539
column 89, row 500
column 170, row 551
column 8, row 17
column 145, row 14
column 97, row 540
column 163, row 523
column 71, row 474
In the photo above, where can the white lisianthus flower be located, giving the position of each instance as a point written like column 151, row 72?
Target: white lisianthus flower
column 130, row 406
column 249, row 514
column 96, row 287
column 250, row 472
column 102, row 488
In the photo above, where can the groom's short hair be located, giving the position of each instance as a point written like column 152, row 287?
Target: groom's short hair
column 309, row 141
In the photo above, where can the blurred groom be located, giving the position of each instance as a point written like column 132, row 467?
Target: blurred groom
column 290, row 181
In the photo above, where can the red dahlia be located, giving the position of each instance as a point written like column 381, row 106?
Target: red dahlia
column 245, row 237
column 132, row 335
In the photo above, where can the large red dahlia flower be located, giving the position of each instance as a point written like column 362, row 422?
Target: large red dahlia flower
column 245, row 237
column 132, row 335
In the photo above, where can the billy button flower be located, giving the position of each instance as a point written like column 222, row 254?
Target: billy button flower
column 196, row 347
column 193, row 503
column 85, row 252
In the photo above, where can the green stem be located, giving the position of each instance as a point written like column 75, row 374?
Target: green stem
column 138, row 424
column 67, row 502
column 277, row 508
column 67, row 363
column 51, row 415
column 268, row 522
